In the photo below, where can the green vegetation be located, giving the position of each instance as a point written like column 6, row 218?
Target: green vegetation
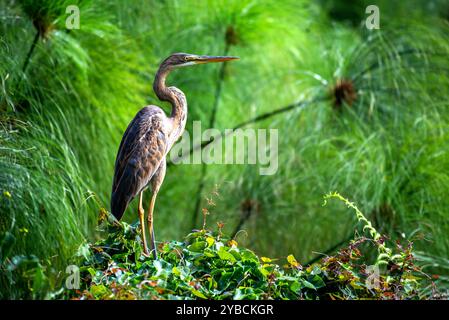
column 208, row 265
column 364, row 112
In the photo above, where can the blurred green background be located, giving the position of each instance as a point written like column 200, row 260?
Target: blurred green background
column 362, row 112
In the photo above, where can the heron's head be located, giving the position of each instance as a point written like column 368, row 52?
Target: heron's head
column 178, row 60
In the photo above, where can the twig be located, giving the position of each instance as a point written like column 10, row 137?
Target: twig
column 330, row 250
column 30, row 52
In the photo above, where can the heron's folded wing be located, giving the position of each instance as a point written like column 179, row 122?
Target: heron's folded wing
column 141, row 151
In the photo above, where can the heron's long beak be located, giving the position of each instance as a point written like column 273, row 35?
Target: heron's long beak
column 209, row 59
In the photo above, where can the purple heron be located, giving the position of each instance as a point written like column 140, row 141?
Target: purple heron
column 141, row 158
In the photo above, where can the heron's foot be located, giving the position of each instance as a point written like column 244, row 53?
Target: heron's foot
column 153, row 246
column 154, row 253
column 145, row 251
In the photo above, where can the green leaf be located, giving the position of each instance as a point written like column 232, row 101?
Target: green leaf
column 98, row 291
column 39, row 282
column 6, row 246
column 210, row 241
column 295, row 286
column 236, row 254
column 307, row 284
column 176, row 271
column 316, row 270
column 248, row 255
column 224, row 281
column 198, row 294
column 83, row 251
column 197, row 246
column 224, row 255
column 158, row 265
column 92, row 271
column 317, row 281
column 264, row 271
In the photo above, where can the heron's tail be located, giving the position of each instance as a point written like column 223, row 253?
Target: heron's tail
column 123, row 191
column 119, row 203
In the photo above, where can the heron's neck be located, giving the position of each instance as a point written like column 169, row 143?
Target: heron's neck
column 173, row 95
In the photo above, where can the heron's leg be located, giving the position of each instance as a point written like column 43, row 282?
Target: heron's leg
column 142, row 224
column 150, row 225
column 156, row 182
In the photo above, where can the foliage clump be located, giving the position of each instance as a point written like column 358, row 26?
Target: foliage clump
column 209, row 265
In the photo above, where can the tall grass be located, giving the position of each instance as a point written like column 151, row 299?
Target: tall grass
column 59, row 137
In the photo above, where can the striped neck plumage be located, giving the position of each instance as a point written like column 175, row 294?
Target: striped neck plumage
column 172, row 95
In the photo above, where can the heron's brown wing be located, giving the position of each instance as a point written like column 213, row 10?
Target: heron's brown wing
column 141, row 151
